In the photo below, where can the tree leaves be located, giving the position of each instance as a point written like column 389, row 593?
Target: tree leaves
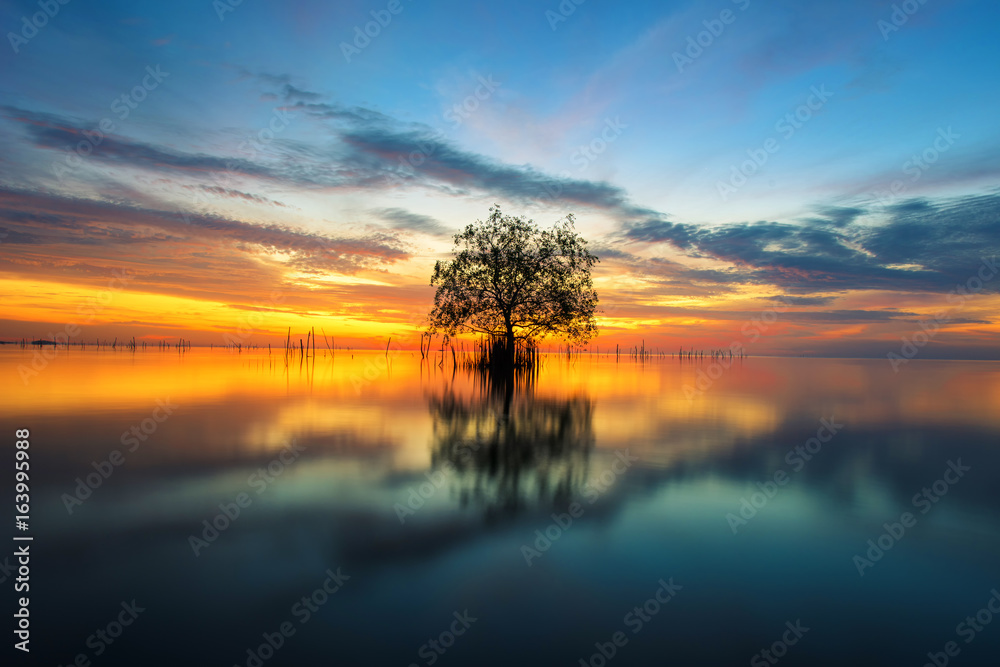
column 509, row 278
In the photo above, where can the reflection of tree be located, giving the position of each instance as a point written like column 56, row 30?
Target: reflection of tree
column 509, row 449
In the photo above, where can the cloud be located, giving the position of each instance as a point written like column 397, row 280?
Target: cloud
column 847, row 316
column 660, row 231
column 293, row 94
column 387, row 151
column 236, row 194
column 56, row 133
column 265, row 78
column 806, row 300
column 411, row 157
column 57, row 222
column 837, row 216
column 948, row 236
column 16, row 238
column 370, row 150
column 918, row 245
column 923, row 245
column 323, row 110
column 407, row 221
column 605, row 251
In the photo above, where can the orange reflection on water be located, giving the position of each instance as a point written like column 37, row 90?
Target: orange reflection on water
column 241, row 405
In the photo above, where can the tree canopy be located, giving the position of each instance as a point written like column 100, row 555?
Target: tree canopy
column 511, row 280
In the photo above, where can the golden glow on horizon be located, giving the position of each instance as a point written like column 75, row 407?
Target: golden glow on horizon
column 366, row 319
column 313, row 281
column 125, row 308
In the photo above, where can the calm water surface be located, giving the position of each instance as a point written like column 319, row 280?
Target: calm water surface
column 749, row 506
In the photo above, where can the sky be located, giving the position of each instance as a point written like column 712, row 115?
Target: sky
column 796, row 178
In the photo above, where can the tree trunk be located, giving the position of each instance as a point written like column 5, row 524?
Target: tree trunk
column 510, row 346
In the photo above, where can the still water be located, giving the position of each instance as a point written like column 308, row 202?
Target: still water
column 399, row 512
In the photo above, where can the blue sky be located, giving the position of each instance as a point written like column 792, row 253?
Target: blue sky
column 369, row 151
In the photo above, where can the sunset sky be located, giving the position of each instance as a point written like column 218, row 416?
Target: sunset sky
column 190, row 168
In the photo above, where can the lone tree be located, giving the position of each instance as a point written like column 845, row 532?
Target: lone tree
column 514, row 282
